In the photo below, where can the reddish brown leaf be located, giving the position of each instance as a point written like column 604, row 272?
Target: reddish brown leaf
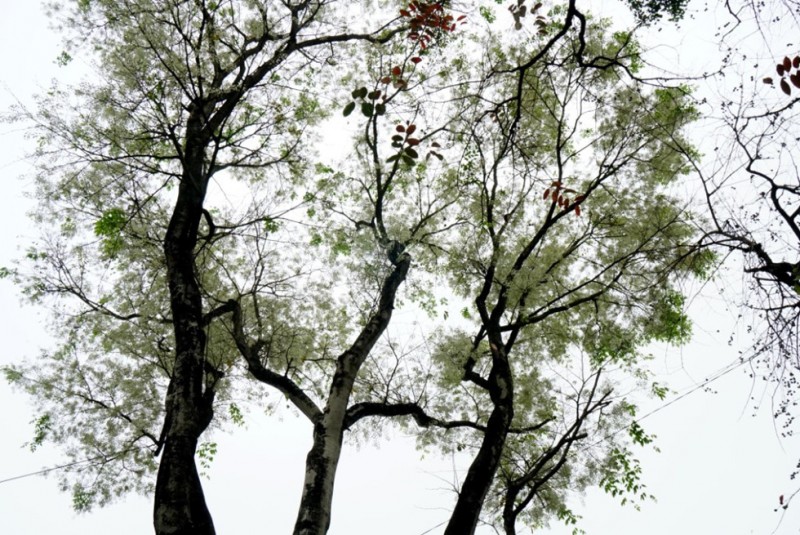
column 411, row 128
column 400, row 128
column 768, row 80
column 436, row 145
column 787, row 64
column 546, row 193
column 796, row 62
column 779, row 69
column 416, row 60
column 386, row 79
column 397, row 71
column 554, row 195
column 412, row 141
column 462, row 17
column 405, row 13
column 785, row 87
column 578, row 210
column 795, row 79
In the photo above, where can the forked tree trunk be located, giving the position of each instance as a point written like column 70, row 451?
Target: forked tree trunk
column 314, row 515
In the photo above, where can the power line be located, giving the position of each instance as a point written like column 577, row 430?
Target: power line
column 62, row 466
column 713, row 377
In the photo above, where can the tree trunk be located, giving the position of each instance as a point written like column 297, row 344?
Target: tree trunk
column 314, row 515
column 480, row 476
column 180, row 507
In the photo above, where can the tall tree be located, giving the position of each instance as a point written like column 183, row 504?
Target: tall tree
column 192, row 92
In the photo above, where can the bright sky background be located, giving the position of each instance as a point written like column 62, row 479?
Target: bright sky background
column 720, row 470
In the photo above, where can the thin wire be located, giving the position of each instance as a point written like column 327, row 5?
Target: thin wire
column 713, row 377
column 62, row 466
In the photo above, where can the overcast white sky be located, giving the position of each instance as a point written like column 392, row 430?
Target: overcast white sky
column 720, row 470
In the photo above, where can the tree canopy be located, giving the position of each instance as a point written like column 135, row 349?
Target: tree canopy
column 244, row 197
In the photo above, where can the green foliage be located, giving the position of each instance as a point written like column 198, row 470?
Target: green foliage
column 41, row 426
column 109, row 227
column 651, row 11
column 487, row 14
column 82, row 499
column 236, row 414
column 623, row 478
column 670, row 322
column 206, row 452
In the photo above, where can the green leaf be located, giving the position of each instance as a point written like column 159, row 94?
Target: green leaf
column 366, row 109
column 349, row 109
column 380, row 109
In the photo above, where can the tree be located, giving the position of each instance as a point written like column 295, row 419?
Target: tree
column 193, row 92
column 750, row 189
column 178, row 294
column 567, row 123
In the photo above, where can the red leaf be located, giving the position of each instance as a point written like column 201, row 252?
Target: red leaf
column 405, row 13
column 400, row 128
column 768, row 80
column 397, row 71
column 462, row 17
column 785, row 87
column 416, row 60
column 578, row 210
column 546, row 194
column 411, row 128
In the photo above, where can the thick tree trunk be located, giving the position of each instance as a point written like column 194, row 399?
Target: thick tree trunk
column 314, row 515
column 180, row 507
column 465, row 515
